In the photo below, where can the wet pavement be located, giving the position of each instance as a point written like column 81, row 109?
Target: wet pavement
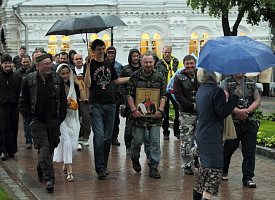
column 124, row 183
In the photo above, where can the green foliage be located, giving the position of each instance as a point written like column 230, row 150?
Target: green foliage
column 262, row 138
column 259, row 114
column 256, row 10
column 266, row 135
column 4, row 195
column 171, row 112
column 270, row 117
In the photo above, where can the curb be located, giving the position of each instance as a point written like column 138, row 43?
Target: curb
column 260, row 150
column 265, row 151
column 12, row 185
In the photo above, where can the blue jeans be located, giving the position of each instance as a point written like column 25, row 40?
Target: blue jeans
column 102, row 122
column 138, row 137
column 27, row 133
column 146, row 141
column 128, row 133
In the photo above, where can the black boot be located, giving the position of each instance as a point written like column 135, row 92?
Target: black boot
column 196, row 195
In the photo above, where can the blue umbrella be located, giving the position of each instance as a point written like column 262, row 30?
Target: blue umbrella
column 236, row 54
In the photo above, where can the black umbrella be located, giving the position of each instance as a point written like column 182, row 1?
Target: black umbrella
column 85, row 24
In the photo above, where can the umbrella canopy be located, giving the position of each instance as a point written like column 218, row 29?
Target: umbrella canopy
column 236, row 54
column 84, row 24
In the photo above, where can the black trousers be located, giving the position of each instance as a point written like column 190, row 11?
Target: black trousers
column 45, row 138
column 165, row 124
column 247, row 135
column 9, row 128
column 117, row 120
column 85, row 126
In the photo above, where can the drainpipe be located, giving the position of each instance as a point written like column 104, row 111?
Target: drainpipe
column 15, row 7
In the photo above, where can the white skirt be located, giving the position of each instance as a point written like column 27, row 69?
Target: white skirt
column 67, row 148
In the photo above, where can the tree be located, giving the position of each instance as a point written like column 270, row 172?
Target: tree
column 256, row 10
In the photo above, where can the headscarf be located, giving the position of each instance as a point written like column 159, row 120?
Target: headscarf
column 206, row 76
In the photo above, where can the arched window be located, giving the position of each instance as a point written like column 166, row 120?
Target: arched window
column 205, row 37
column 152, row 44
column 197, row 42
column 52, row 45
column 157, row 44
column 144, row 43
column 92, row 38
column 193, row 44
column 65, row 44
column 107, row 40
column 242, row 34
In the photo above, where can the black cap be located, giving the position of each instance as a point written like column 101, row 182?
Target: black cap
column 111, row 48
column 43, row 57
column 5, row 58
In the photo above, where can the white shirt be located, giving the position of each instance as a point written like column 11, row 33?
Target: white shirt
column 78, row 71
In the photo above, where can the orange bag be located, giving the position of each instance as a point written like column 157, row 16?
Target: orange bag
column 73, row 104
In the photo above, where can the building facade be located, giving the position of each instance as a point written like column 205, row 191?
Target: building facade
column 150, row 26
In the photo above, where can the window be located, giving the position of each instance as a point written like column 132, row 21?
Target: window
column 144, row 43
column 157, row 44
column 242, row 34
column 92, row 38
column 196, row 43
column 107, row 40
column 65, row 44
column 52, row 45
column 147, row 44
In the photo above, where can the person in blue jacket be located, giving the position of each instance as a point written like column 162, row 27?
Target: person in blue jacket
column 212, row 108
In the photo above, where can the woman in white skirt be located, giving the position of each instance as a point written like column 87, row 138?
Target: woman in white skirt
column 70, row 127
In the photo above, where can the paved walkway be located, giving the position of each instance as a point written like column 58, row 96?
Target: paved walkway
column 124, row 183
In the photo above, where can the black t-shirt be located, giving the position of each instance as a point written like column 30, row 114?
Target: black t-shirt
column 102, row 75
column 17, row 62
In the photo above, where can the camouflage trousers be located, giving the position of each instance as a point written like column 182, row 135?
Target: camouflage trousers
column 208, row 180
column 188, row 124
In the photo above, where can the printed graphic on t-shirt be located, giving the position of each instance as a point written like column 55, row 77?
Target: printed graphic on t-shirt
column 102, row 76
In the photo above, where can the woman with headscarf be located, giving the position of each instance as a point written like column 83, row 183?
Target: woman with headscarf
column 70, row 127
column 212, row 108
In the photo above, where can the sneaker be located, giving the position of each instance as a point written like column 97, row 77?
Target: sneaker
column 49, row 186
column 28, row 146
column 166, row 137
column 136, row 166
column 115, row 142
column 80, row 142
column 101, row 175
column 79, row 147
column 107, row 172
column 86, row 143
column 154, row 173
column 188, row 170
column 224, row 176
column 197, row 162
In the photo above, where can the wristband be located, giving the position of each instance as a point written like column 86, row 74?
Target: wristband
column 132, row 111
column 161, row 111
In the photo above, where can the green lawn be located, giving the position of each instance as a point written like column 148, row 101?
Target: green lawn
column 268, row 127
column 4, row 195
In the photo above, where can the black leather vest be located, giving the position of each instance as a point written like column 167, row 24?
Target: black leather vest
column 190, row 88
column 248, row 94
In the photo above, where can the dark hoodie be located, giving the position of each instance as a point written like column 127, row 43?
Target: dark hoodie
column 127, row 71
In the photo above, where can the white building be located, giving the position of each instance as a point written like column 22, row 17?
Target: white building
column 150, row 25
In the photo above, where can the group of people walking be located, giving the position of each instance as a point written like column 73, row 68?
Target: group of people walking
column 61, row 100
